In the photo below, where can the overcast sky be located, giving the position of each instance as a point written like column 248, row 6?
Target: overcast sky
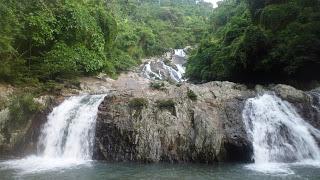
column 214, row 2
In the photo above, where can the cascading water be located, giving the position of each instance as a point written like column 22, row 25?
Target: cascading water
column 180, row 53
column 280, row 137
column 158, row 70
column 66, row 139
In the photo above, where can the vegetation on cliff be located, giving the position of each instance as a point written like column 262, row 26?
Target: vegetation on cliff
column 260, row 41
column 44, row 42
column 47, row 43
column 21, row 108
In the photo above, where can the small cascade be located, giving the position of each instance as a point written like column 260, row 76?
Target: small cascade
column 175, row 75
column 180, row 53
column 148, row 73
column 159, row 70
column 66, row 139
column 280, row 137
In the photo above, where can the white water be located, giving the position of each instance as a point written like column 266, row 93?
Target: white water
column 66, row 139
column 281, row 138
column 174, row 74
column 179, row 52
column 148, row 73
column 158, row 70
column 162, row 70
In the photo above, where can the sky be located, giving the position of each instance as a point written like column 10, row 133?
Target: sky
column 214, row 2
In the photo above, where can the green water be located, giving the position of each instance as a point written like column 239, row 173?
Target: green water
column 99, row 170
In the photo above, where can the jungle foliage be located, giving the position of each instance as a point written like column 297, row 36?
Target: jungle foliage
column 49, row 41
column 260, row 41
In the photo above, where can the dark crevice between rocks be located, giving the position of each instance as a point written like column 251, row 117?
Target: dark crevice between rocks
column 238, row 152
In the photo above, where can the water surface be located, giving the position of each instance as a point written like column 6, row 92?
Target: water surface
column 100, row 170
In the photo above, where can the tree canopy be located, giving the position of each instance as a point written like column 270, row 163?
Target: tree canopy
column 260, row 41
column 53, row 40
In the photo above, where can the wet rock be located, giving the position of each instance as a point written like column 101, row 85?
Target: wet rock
column 290, row 94
column 306, row 103
column 22, row 140
column 207, row 130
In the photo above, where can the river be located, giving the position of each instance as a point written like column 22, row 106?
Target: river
column 102, row 170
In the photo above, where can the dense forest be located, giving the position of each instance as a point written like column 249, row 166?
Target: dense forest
column 44, row 42
column 260, row 41
column 47, row 42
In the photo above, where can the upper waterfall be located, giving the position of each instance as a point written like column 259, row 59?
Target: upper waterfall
column 278, row 134
column 166, row 68
column 66, row 139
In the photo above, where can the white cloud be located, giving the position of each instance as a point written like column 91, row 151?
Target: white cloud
column 214, row 2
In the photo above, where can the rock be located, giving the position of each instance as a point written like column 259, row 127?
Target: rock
column 173, row 128
column 22, row 140
column 306, row 103
column 290, row 94
column 311, row 108
column 5, row 92
column 208, row 129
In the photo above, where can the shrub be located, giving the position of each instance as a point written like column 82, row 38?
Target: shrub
column 157, row 85
column 191, row 95
column 3, row 103
column 167, row 104
column 138, row 103
column 21, row 108
column 52, row 87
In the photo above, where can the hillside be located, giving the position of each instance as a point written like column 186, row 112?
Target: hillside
column 46, row 43
column 260, row 41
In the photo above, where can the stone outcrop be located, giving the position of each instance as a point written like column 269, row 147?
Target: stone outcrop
column 154, row 125
column 176, row 123
column 149, row 125
column 22, row 140
column 307, row 104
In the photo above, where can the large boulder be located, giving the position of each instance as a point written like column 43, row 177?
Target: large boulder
column 307, row 104
column 153, row 125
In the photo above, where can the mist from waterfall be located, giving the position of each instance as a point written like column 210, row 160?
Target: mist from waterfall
column 66, row 139
column 280, row 137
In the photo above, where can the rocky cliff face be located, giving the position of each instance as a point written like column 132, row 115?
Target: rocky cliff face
column 190, row 123
column 20, row 140
column 167, row 125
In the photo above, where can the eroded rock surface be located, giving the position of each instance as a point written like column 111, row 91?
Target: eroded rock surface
column 307, row 104
column 208, row 129
column 20, row 140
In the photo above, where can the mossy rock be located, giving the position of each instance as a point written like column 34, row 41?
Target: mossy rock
column 191, row 95
column 21, row 108
column 157, row 85
column 138, row 103
column 167, row 104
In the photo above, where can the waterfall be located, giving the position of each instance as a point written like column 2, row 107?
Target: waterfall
column 175, row 75
column 180, row 53
column 162, row 71
column 173, row 71
column 280, row 137
column 66, row 139
column 148, row 73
